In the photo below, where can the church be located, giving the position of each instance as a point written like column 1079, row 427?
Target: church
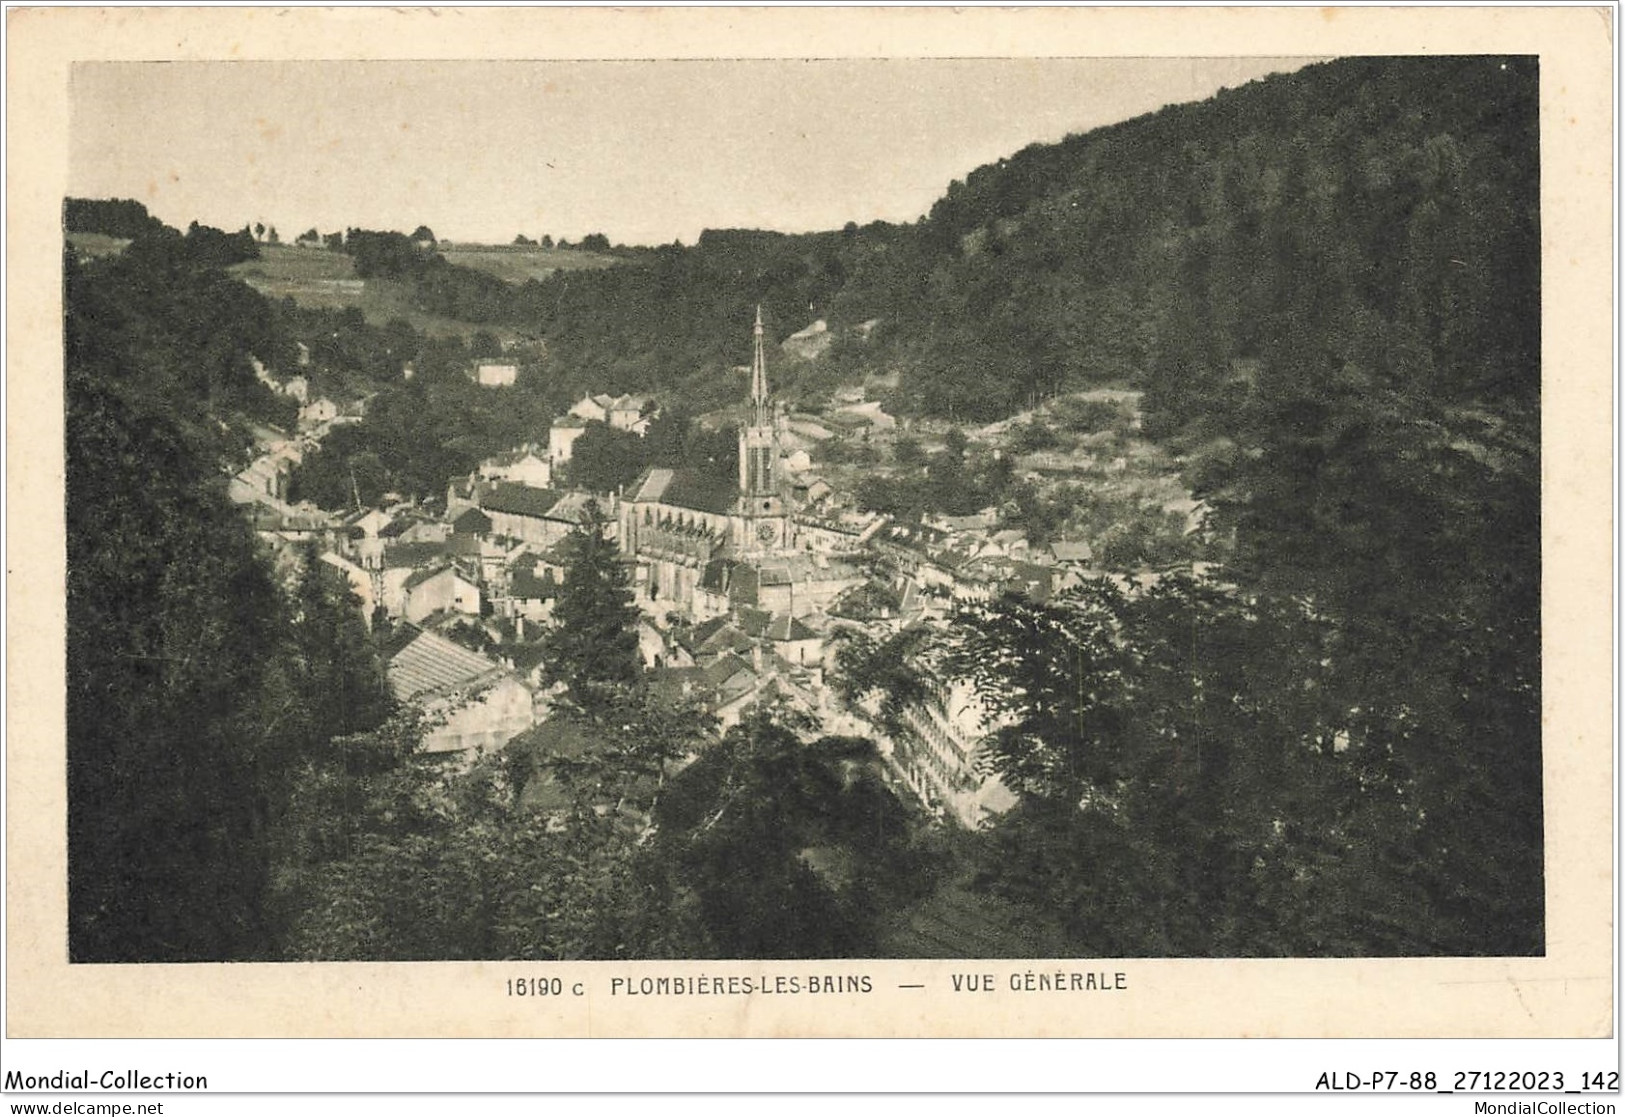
column 706, row 547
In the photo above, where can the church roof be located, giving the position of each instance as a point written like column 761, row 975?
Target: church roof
column 686, row 488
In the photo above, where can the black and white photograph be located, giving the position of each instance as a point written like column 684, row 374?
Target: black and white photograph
column 805, row 516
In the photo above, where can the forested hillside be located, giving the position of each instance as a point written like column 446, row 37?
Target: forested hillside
column 1380, row 197
column 197, row 688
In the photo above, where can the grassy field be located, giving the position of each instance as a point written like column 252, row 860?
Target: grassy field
column 319, row 278
column 310, row 276
column 96, row 244
column 518, row 263
column 316, row 277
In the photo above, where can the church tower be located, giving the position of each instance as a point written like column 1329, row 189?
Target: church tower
column 763, row 523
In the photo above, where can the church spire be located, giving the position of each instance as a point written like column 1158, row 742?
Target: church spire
column 761, row 413
column 756, row 443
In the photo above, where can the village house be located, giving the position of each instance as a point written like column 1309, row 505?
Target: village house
column 298, row 525
column 868, row 414
column 361, row 536
column 352, row 413
column 414, row 527
column 266, row 476
column 471, row 521
column 808, row 490
column 809, row 343
column 318, row 412
column 870, row 607
column 710, row 640
column 531, row 593
column 836, row 534
column 524, row 466
column 630, row 413
column 796, row 461
column 442, row 588
column 626, row 413
column 794, row 641
column 561, row 438
column 523, row 512
column 792, row 583
column 808, row 428
column 1070, row 553
column 360, row 581
column 472, row 704
column 491, row 375
column 592, row 409
column 1010, row 542
column 551, row 561
column 397, row 562
column 985, row 520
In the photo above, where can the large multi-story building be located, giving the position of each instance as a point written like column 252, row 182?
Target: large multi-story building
column 941, row 754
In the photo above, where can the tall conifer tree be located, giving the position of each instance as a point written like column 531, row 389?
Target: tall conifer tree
column 593, row 645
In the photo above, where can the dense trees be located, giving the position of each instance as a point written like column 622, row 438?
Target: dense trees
column 391, row 856
column 592, row 647
column 1204, row 772
column 604, row 459
column 173, row 680
column 775, row 848
column 338, row 669
column 163, row 321
column 195, row 688
column 1359, row 403
column 114, row 217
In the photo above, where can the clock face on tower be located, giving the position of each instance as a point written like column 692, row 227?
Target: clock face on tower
column 765, row 532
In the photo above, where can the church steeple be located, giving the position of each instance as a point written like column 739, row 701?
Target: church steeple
column 761, row 408
column 762, row 524
column 756, row 443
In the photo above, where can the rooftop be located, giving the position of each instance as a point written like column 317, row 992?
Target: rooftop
column 422, row 576
column 471, row 521
column 686, row 488
column 519, row 500
column 432, row 664
column 412, row 554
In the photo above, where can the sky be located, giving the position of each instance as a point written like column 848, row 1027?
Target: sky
column 644, row 152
